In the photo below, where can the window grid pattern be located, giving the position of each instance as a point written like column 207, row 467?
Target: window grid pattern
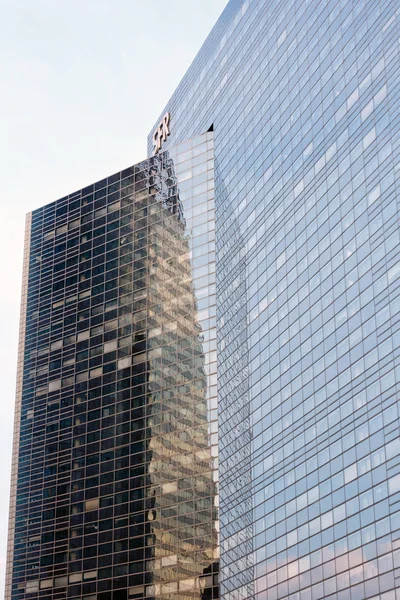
column 304, row 102
column 117, row 489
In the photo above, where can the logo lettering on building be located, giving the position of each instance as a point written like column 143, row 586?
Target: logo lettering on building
column 161, row 133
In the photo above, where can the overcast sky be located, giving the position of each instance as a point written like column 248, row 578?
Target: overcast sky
column 81, row 84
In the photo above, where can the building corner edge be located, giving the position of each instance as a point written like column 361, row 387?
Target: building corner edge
column 17, row 410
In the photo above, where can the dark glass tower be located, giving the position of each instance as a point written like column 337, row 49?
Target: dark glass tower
column 114, row 490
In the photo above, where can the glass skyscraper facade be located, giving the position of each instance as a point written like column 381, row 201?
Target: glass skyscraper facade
column 304, row 102
column 129, row 314
column 114, row 487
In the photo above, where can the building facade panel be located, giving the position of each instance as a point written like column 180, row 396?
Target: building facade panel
column 303, row 98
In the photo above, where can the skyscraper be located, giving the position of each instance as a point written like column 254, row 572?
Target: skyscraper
column 301, row 100
column 304, row 102
column 114, row 490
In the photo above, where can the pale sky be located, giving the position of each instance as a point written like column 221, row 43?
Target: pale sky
column 81, row 84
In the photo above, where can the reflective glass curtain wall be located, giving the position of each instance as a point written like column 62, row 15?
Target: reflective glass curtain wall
column 114, row 490
column 304, row 102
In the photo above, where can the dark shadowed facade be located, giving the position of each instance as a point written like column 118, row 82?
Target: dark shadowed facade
column 114, row 491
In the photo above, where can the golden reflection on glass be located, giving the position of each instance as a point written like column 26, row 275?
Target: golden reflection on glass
column 182, row 492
